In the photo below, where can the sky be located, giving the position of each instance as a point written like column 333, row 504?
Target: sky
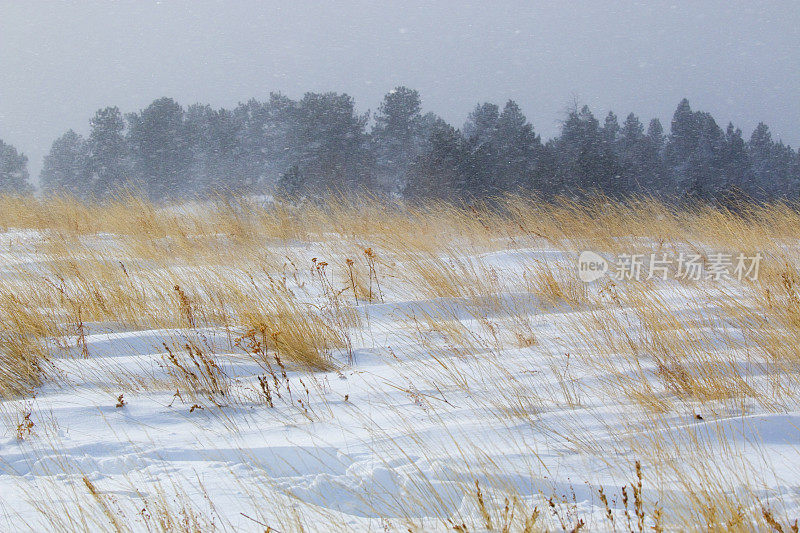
column 61, row 61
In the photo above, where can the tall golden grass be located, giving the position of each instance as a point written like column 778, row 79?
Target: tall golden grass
column 291, row 285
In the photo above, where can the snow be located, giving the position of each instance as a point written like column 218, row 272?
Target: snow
column 399, row 435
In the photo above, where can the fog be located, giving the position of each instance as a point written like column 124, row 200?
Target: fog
column 737, row 60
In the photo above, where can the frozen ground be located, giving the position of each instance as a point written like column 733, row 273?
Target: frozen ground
column 447, row 412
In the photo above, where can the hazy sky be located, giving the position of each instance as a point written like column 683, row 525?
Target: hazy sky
column 59, row 62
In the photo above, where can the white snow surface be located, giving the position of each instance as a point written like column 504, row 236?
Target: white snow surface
column 398, row 434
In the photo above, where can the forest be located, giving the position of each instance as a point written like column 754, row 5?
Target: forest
column 320, row 143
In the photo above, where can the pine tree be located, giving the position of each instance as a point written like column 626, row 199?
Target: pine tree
column 13, row 171
column 632, row 155
column 108, row 152
column 206, row 168
column 430, row 123
column 655, row 179
column 706, row 178
column 735, row 162
column 330, row 143
column 760, row 149
column 231, row 167
column 440, row 172
column 250, row 122
column 481, row 161
column 679, row 150
column 611, row 129
column 519, row 151
column 161, row 152
column 397, row 137
column 585, row 161
column 784, row 161
column 481, row 124
column 67, row 167
column 277, row 146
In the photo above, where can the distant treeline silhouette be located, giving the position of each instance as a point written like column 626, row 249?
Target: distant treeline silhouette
column 320, row 143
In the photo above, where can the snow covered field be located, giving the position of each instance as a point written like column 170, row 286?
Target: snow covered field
column 339, row 368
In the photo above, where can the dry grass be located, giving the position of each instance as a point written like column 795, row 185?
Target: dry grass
column 291, row 287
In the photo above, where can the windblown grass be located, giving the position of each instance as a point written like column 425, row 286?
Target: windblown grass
column 300, row 289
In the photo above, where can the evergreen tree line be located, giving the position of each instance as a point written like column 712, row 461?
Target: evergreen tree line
column 320, row 143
